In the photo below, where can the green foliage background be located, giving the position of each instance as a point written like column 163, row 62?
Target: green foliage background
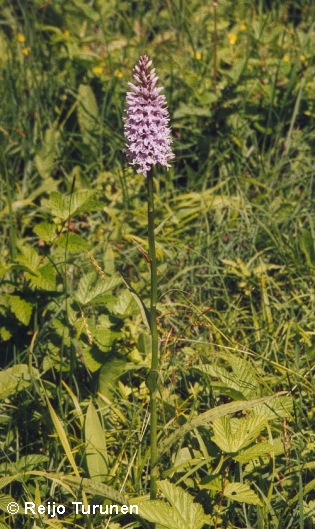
column 235, row 242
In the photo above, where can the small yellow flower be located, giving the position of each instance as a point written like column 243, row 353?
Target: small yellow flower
column 243, row 27
column 20, row 37
column 303, row 58
column 232, row 38
column 286, row 58
column 118, row 73
column 26, row 51
column 66, row 32
column 198, row 55
column 98, row 70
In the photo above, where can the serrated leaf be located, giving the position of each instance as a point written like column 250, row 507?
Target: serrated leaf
column 21, row 309
column 30, row 461
column 242, row 493
column 209, row 416
column 90, row 292
column 45, row 277
column 281, row 407
column 96, row 451
column 231, row 435
column 16, row 379
column 182, row 513
column 46, row 231
column 65, row 207
column 253, row 452
column 72, row 242
column 239, row 383
column 104, row 338
column 125, row 305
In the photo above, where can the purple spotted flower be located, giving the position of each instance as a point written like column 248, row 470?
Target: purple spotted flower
column 146, row 124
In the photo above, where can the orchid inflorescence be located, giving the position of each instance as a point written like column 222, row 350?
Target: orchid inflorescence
column 146, row 124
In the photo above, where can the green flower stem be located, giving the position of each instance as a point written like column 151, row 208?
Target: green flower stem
column 152, row 381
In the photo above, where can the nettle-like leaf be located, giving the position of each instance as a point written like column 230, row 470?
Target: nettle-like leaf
column 239, row 382
column 96, row 451
column 40, row 275
column 72, row 242
column 46, row 231
column 279, row 408
column 231, row 435
column 20, row 308
column 234, row 491
column 254, row 452
column 65, row 207
column 242, row 493
column 15, row 379
column 182, row 513
column 91, row 288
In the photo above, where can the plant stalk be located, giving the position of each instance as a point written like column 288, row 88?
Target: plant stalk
column 152, row 381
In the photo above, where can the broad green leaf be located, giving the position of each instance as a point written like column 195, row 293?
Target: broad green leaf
column 104, row 338
column 209, row 416
column 4, row 500
column 91, row 288
column 45, row 277
column 68, row 206
column 253, row 452
column 240, row 380
column 6, row 480
column 21, row 308
column 307, row 246
column 72, row 242
column 15, row 379
column 31, row 461
column 231, row 435
column 46, row 231
column 96, row 451
column 242, row 493
column 280, row 408
column 125, row 305
column 109, row 376
column 182, row 513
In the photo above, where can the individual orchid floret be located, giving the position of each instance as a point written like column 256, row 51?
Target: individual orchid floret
column 146, row 124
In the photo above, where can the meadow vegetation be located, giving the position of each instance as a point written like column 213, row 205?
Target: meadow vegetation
column 235, row 231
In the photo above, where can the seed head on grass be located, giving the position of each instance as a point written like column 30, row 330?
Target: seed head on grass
column 146, row 124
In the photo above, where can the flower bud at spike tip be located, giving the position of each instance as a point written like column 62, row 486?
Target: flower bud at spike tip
column 146, row 124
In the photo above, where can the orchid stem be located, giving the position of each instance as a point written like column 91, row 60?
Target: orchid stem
column 152, row 381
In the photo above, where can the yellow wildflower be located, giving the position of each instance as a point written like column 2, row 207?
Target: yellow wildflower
column 198, row 55
column 232, row 38
column 243, row 27
column 98, row 70
column 303, row 58
column 66, row 32
column 26, row 51
column 286, row 58
column 118, row 73
column 20, row 37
